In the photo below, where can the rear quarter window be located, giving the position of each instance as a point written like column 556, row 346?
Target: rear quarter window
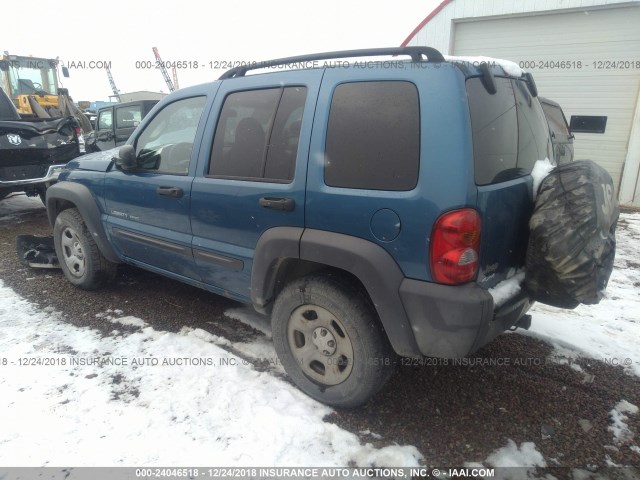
column 373, row 136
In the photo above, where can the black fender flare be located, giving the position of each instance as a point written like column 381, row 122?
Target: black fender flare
column 371, row 264
column 80, row 196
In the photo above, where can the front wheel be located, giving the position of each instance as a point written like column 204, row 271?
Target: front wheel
column 330, row 342
column 82, row 262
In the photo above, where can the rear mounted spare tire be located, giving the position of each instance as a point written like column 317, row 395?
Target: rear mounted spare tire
column 572, row 239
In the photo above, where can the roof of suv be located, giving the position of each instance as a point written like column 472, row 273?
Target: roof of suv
column 470, row 66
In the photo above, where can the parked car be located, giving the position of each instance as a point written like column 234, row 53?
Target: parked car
column 115, row 123
column 561, row 135
column 369, row 210
column 33, row 151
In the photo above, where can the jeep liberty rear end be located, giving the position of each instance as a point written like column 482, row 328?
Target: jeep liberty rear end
column 368, row 209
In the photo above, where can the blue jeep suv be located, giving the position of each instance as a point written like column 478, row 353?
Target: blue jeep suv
column 367, row 205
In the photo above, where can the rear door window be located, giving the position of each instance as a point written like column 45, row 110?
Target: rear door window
column 510, row 130
column 494, row 123
column 258, row 133
column 373, row 136
column 128, row 117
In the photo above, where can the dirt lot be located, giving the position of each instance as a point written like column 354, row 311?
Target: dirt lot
column 453, row 414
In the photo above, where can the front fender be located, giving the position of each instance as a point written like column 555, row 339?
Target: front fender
column 63, row 195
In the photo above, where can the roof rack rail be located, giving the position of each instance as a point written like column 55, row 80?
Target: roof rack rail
column 416, row 54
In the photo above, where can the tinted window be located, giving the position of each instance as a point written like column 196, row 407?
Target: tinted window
column 588, row 124
column 257, row 134
column 128, row 117
column 373, row 136
column 534, row 142
column 494, row 123
column 165, row 144
column 105, row 121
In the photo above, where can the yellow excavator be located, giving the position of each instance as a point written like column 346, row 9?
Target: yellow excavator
column 32, row 84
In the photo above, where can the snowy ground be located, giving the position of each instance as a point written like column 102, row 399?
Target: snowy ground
column 146, row 397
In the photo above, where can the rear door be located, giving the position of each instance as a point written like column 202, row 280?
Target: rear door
column 510, row 134
column 252, row 174
column 148, row 208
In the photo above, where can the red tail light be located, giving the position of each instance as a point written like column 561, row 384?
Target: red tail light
column 78, row 131
column 455, row 245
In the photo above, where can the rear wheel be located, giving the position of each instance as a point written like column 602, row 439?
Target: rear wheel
column 330, row 342
column 82, row 262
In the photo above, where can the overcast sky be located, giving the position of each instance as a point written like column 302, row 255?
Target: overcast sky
column 124, row 32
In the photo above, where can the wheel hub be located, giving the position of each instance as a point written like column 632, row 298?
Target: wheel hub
column 324, row 341
column 320, row 344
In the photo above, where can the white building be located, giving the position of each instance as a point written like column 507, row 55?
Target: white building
column 141, row 95
column 584, row 54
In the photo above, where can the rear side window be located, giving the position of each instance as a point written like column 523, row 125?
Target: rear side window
column 373, row 136
column 494, row 123
column 128, row 117
column 257, row 134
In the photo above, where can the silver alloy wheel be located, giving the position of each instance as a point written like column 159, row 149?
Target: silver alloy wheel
column 320, row 344
column 72, row 252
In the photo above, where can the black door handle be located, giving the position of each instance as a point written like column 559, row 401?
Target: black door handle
column 285, row 204
column 174, row 192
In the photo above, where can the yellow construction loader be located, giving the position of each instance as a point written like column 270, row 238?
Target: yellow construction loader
column 32, row 84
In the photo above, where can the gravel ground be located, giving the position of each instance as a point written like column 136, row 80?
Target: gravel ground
column 451, row 413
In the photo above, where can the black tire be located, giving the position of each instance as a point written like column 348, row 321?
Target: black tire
column 82, row 262
column 312, row 312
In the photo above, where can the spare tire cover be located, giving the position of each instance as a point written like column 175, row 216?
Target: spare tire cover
column 572, row 236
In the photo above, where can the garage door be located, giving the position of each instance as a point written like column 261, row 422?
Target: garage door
column 600, row 75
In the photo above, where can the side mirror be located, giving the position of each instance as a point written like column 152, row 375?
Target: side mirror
column 126, row 158
column 65, row 72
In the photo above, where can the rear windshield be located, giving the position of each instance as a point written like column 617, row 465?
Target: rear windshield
column 510, row 132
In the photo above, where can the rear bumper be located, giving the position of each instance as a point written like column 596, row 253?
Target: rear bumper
column 454, row 321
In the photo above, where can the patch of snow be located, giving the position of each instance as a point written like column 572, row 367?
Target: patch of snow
column 204, row 406
column 510, row 68
column 618, row 417
column 541, row 169
column 507, row 289
column 608, row 331
column 128, row 320
column 513, row 456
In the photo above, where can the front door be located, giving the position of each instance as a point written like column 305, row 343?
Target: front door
column 148, row 208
